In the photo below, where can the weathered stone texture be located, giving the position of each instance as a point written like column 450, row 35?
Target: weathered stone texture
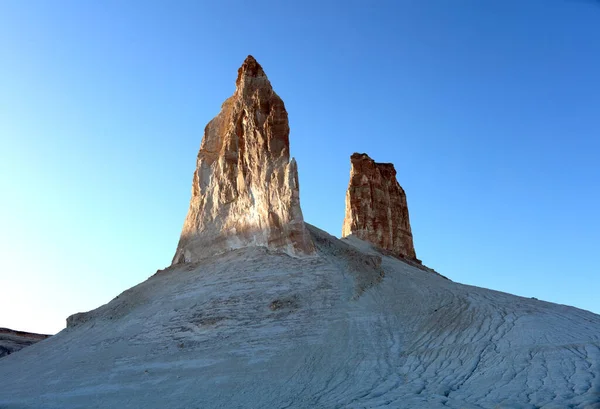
column 245, row 188
column 376, row 208
column 12, row 341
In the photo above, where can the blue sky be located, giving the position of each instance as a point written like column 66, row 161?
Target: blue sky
column 488, row 109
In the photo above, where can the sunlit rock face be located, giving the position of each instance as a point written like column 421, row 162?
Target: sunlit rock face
column 245, row 188
column 376, row 208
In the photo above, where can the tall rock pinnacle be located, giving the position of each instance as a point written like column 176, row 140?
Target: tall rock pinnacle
column 376, row 208
column 245, row 188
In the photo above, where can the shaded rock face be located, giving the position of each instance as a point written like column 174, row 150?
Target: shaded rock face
column 12, row 341
column 245, row 188
column 376, row 208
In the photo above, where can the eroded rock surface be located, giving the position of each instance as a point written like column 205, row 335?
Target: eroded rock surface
column 376, row 208
column 245, row 188
column 12, row 341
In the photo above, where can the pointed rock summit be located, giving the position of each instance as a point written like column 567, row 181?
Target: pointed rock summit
column 376, row 208
column 245, row 188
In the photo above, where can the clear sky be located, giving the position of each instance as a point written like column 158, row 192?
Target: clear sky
column 490, row 111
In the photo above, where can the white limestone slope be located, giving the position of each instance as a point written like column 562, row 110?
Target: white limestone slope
column 257, row 329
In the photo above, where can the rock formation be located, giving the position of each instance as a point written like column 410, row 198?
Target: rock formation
column 376, row 208
column 245, row 188
column 12, row 341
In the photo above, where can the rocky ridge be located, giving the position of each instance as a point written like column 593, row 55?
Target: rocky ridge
column 376, row 207
column 352, row 327
column 245, row 189
column 12, row 341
